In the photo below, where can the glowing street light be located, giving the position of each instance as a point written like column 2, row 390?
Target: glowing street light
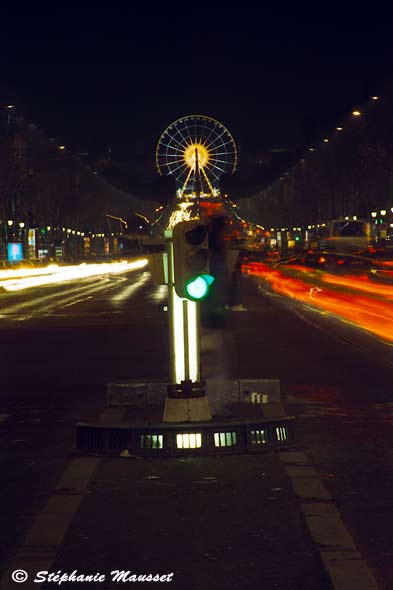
column 339, row 128
column 383, row 211
column 356, row 113
column 373, row 213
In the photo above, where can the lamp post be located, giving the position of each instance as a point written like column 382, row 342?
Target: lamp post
column 22, row 237
column 10, row 232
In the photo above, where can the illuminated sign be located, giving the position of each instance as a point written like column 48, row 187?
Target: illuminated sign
column 86, row 242
column 14, row 252
column 31, row 237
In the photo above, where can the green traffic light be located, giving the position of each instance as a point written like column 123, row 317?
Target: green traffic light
column 198, row 287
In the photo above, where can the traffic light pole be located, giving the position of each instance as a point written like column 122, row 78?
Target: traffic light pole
column 186, row 401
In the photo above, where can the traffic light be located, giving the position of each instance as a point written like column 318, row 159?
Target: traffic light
column 191, row 260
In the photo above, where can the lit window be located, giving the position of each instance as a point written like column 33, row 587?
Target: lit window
column 281, row 433
column 258, row 437
column 189, row 441
column 152, row 441
column 225, row 439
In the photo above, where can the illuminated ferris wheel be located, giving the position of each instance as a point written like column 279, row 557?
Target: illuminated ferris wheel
column 196, row 150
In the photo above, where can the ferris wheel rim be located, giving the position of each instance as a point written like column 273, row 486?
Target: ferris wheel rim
column 177, row 145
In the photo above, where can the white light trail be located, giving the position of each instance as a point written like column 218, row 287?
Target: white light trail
column 17, row 273
column 71, row 273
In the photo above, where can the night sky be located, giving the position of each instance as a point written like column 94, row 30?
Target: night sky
column 98, row 78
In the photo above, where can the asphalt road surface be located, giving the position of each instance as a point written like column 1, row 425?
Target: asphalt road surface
column 61, row 345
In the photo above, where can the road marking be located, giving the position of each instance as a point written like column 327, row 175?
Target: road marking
column 78, row 301
column 127, row 292
column 159, row 294
column 346, row 567
column 50, row 302
column 38, row 550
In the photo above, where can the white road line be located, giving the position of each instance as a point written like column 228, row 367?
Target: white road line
column 39, row 548
column 54, row 299
column 49, row 303
column 346, row 567
column 78, row 301
column 160, row 294
column 118, row 299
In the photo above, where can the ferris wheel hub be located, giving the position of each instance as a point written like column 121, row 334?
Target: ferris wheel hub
column 190, row 155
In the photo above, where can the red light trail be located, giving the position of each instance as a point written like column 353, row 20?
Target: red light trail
column 357, row 299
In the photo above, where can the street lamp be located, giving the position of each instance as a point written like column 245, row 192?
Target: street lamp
column 383, row 211
column 356, row 113
column 373, row 214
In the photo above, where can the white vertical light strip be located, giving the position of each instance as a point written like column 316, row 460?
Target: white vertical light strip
column 192, row 340
column 176, row 319
column 178, row 336
column 165, row 263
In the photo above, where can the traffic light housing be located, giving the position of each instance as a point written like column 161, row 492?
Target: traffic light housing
column 191, row 260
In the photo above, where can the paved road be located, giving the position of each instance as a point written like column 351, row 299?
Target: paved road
column 61, row 346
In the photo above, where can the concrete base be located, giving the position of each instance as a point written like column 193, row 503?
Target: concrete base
column 223, row 394
column 195, row 409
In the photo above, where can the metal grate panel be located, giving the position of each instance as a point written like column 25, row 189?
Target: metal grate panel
column 178, row 439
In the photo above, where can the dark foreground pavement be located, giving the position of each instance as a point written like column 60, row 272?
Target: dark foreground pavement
column 217, row 523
